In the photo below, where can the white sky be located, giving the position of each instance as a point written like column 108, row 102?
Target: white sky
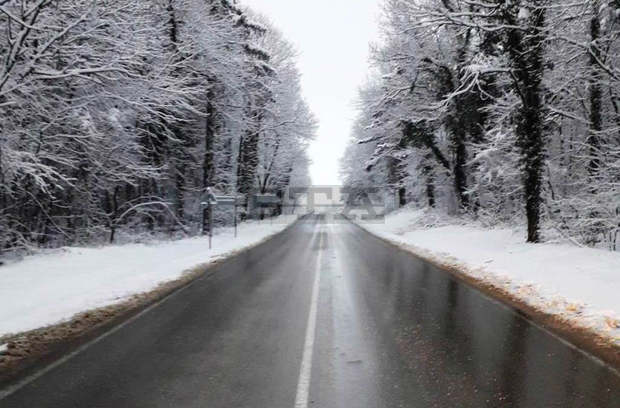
column 332, row 37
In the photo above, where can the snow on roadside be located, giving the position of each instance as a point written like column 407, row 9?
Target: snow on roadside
column 49, row 288
column 579, row 284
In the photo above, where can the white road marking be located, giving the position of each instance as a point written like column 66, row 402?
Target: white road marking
column 4, row 393
column 305, row 372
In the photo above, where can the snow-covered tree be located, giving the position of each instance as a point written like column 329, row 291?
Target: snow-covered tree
column 117, row 116
column 501, row 110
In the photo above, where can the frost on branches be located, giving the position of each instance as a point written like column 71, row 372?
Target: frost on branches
column 503, row 111
column 117, row 116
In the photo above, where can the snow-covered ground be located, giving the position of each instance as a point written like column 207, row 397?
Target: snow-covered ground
column 580, row 284
column 51, row 287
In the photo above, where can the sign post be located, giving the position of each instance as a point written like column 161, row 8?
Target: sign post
column 235, row 220
column 211, row 202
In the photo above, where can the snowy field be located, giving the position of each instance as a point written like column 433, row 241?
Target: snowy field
column 581, row 284
column 51, row 287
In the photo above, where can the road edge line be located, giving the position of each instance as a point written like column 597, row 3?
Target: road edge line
column 540, row 319
column 208, row 270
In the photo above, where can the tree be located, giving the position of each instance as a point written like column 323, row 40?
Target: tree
column 117, row 116
column 513, row 103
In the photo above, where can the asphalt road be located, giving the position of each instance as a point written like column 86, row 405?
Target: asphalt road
column 325, row 316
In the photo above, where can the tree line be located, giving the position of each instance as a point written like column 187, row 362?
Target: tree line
column 507, row 111
column 118, row 114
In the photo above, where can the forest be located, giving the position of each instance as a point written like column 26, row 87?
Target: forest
column 117, row 115
column 503, row 112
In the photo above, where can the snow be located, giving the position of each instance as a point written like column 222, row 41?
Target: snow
column 580, row 284
column 524, row 14
column 49, row 288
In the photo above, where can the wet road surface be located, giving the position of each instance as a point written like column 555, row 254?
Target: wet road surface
column 325, row 315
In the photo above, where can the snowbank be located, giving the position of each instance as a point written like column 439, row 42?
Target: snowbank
column 49, row 288
column 580, row 284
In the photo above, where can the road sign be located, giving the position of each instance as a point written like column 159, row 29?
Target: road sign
column 227, row 200
column 231, row 201
column 267, row 200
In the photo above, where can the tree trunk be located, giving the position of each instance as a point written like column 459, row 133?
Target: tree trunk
column 180, row 192
column 596, row 97
column 248, row 159
column 395, row 181
column 459, row 130
column 526, row 51
column 208, row 164
column 114, row 214
column 430, row 184
column 460, row 173
column 402, row 197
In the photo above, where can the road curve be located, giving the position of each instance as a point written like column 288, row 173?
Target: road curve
column 388, row 330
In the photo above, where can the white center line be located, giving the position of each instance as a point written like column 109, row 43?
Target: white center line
column 305, row 372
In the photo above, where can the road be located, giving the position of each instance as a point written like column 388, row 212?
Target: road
column 325, row 315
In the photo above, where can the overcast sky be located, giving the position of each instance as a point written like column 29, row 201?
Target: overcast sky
column 332, row 37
